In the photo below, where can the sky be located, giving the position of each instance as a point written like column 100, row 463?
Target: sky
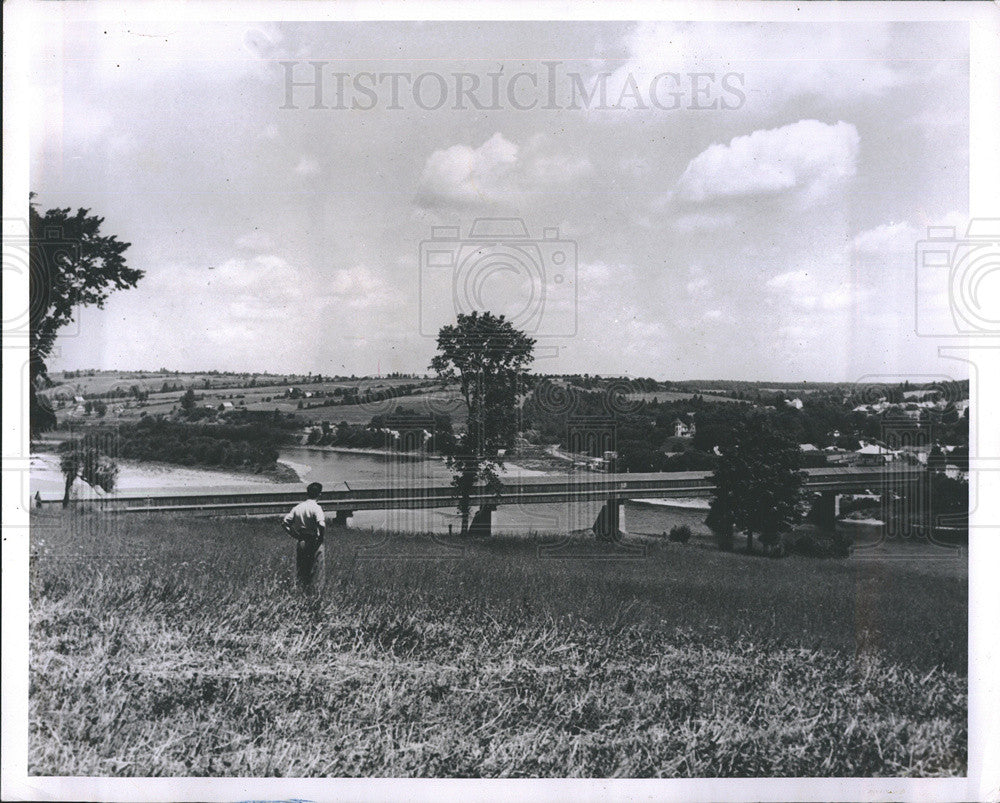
column 744, row 201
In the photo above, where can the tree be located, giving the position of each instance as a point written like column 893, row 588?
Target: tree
column 78, row 459
column 489, row 358
column 188, row 401
column 71, row 265
column 757, row 482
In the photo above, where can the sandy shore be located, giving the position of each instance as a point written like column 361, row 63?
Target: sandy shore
column 47, row 478
column 133, row 476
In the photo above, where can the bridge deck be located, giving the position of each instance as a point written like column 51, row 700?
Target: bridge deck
column 527, row 490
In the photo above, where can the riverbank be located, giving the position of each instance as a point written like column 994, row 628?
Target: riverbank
column 509, row 469
column 46, row 476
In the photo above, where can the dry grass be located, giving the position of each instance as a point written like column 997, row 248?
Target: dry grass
column 176, row 646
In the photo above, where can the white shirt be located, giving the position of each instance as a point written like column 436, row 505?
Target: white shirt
column 306, row 519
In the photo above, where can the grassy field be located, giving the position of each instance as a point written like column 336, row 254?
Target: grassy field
column 268, row 395
column 177, row 646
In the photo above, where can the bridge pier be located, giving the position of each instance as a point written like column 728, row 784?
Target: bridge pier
column 340, row 517
column 826, row 507
column 482, row 522
column 607, row 526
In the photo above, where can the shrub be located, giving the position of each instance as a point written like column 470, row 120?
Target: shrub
column 681, row 534
column 725, row 540
column 816, row 542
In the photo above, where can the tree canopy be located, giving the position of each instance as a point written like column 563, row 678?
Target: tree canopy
column 757, row 482
column 72, row 264
column 489, row 358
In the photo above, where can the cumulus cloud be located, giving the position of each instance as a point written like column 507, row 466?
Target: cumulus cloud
column 461, row 174
column 807, row 156
column 498, row 171
column 901, row 238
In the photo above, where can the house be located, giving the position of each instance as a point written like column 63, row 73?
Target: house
column 840, row 456
column 682, row 429
column 227, row 405
column 872, row 454
column 955, row 473
column 796, row 403
column 807, row 447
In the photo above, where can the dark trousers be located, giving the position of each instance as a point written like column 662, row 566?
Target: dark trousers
column 310, row 565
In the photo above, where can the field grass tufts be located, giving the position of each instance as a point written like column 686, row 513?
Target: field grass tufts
column 178, row 646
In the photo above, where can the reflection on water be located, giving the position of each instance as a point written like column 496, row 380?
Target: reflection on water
column 332, row 468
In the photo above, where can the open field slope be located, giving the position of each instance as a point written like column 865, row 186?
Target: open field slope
column 174, row 646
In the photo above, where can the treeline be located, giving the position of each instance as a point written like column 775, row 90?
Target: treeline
column 353, row 395
column 642, row 433
column 403, row 430
column 249, row 446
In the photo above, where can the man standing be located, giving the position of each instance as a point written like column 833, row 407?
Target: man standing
column 306, row 524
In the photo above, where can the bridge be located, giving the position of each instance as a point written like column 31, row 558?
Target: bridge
column 612, row 489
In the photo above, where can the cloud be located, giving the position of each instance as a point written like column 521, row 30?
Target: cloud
column 793, row 279
column 828, row 64
column 717, row 316
column 888, row 237
column 808, row 156
column 696, row 221
column 802, row 291
column 141, row 51
column 462, row 175
column 559, row 167
column 359, row 288
column 255, row 241
column 498, row 171
column 307, row 166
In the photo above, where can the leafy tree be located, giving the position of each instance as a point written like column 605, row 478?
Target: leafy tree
column 489, row 357
column 80, row 460
column 720, row 522
column 71, row 265
column 188, row 401
column 757, row 482
column 936, row 460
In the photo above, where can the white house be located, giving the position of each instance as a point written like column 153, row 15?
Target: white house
column 873, row 454
column 682, row 429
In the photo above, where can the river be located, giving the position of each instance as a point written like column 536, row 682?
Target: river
column 332, row 468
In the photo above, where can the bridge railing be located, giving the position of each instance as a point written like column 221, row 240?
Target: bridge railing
column 522, row 490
